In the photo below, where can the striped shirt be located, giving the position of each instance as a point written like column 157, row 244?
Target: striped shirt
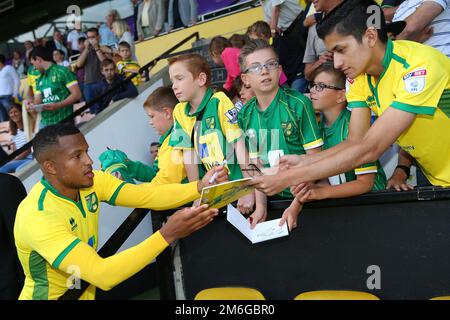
column 20, row 139
column 441, row 24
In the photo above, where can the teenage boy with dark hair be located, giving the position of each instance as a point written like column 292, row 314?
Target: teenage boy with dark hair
column 405, row 83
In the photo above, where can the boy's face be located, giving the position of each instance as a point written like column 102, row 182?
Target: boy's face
column 325, row 98
column 154, row 152
column 125, row 53
column 263, row 80
column 246, row 93
column 350, row 56
column 109, row 72
column 184, row 86
column 57, row 56
column 160, row 120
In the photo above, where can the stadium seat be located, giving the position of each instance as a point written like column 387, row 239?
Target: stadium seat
column 229, row 293
column 336, row 295
column 441, row 298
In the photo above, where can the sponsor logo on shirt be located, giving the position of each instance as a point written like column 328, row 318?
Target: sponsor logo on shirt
column 415, row 80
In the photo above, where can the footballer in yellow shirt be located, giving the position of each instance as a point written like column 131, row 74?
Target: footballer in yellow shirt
column 56, row 227
column 406, row 84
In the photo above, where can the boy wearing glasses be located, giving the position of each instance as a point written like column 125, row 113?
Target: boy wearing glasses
column 328, row 97
column 277, row 121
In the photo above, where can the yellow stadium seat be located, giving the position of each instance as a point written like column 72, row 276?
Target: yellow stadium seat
column 441, row 298
column 229, row 293
column 336, row 295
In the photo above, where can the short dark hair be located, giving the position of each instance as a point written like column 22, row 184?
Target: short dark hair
column 238, row 40
column 60, row 51
column 93, row 30
column 155, row 144
column 261, row 29
column 48, row 138
column 41, row 52
column 106, row 63
column 338, row 75
column 2, row 59
column 352, row 17
column 163, row 97
column 81, row 39
column 124, row 44
column 252, row 46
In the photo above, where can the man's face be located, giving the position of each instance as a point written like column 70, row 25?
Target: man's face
column 183, row 83
column 266, row 80
column 350, row 56
column 161, row 120
column 109, row 72
column 154, row 152
column 81, row 46
column 57, row 56
column 125, row 53
column 58, row 36
column 71, row 164
column 92, row 37
column 38, row 64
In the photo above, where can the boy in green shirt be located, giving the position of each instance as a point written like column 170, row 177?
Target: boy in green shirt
column 277, row 121
column 328, row 97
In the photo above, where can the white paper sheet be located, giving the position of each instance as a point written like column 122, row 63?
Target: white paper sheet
column 263, row 231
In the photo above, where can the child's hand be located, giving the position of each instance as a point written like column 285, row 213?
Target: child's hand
column 258, row 216
column 302, row 191
column 246, row 203
column 291, row 215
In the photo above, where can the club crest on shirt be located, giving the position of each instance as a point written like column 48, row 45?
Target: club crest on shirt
column 415, row 80
column 210, row 123
column 287, row 128
column 92, row 202
column 232, row 115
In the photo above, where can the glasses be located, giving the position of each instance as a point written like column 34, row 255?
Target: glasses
column 258, row 68
column 320, row 86
column 252, row 170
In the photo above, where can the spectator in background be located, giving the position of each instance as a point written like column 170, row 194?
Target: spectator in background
column 57, row 88
column 107, row 37
column 90, row 59
column 58, row 57
column 19, row 139
column 122, row 32
column 72, row 39
column 9, row 87
column 126, row 65
column 57, row 43
column 18, row 63
column 154, row 149
column 286, row 23
column 427, row 21
column 315, row 53
column 238, row 40
column 244, row 93
column 28, row 48
column 182, row 13
column 135, row 4
column 110, row 80
column 389, row 8
column 223, row 54
column 79, row 71
column 150, row 21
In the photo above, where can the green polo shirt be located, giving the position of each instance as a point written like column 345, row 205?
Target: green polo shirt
column 53, row 86
column 287, row 126
column 337, row 133
column 218, row 132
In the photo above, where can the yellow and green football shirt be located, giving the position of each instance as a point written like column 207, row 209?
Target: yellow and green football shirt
column 337, row 133
column 53, row 85
column 169, row 163
column 130, row 65
column 218, row 132
column 287, row 126
column 48, row 226
column 32, row 75
column 416, row 79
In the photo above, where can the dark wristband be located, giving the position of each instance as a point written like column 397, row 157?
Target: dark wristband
column 406, row 169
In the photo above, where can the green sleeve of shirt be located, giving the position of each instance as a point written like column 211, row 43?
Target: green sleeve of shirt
column 179, row 138
column 140, row 171
column 310, row 134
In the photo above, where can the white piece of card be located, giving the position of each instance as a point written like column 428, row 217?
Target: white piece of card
column 263, row 231
column 274, row 157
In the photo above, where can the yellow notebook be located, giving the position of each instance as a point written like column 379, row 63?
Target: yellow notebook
column 220, row 195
